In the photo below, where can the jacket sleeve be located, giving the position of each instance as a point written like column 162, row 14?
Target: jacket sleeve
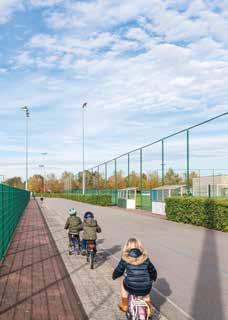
column 67, row 224
column 98, row 229
column 152, row 271
column 80, row 226
column 119, row 270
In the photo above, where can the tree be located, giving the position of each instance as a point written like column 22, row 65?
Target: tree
column 152, row 180
column 15, row 182
column 67, row 180
column 192, row 175
column 121, row 182
column 134, row 180
column 53, row 184
column 172, row 178
column 35, row 183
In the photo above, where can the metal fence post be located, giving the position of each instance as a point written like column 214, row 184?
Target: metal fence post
column 163, row 164
column 213, row 183
column 85, row 182
column 2, row 223
column 116, row 181
column 128, row 170
column 98, row 179
column 106, row 176
column 141, row 182
column 188, row 163
column 209, row 191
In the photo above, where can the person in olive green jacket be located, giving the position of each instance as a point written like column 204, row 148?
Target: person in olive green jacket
column 74, row 225
column 90, row 229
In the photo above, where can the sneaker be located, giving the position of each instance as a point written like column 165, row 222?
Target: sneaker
column 151, row 310
column 83, row 252
column 123, row 304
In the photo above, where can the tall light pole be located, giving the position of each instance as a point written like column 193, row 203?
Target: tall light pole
column 42, row 167
column 26, row 109
column 44, row 154
column 83, row 147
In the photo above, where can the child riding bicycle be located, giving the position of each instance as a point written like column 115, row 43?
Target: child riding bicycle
column 138, row 273
column 90, row 229
column 74, row 225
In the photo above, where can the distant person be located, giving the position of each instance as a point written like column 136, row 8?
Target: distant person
column 42, row 199
column 90, row 229
column 74, row 225
column 138, row 272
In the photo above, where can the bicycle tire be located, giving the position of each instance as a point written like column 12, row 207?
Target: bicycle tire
column 91, row 260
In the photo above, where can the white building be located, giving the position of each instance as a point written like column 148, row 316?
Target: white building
column 216, row 186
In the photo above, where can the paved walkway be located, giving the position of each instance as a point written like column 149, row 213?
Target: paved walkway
column 34, row 283
column 192, row 263
column 99, row 294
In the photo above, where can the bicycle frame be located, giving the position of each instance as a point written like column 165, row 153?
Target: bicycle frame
column 91, row 252
column 138, row 309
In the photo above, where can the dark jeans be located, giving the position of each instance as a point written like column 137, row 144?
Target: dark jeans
column 84, row 243
column 74, row 239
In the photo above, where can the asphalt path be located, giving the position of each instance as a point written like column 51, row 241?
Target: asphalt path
column 192, row 262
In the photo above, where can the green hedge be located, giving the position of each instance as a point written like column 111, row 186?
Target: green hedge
column 100, row 200
column 207, row 212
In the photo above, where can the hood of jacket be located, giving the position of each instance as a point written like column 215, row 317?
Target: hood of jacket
column 135, row 256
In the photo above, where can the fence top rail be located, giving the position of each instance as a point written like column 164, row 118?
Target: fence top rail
column 162, row 139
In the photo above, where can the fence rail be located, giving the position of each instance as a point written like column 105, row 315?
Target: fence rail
column 13, row 202
column 179, row 158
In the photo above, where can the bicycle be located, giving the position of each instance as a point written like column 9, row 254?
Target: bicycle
column 138, row 309
column 90, row 253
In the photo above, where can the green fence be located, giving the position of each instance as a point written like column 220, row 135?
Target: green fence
column 12, row 204
column 195, row 157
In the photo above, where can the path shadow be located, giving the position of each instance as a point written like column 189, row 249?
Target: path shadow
column 207, row 297
column 100, row 241
column 160, row 291
column 104, row 254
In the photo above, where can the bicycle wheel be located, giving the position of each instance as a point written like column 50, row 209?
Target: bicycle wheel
column 91, row 260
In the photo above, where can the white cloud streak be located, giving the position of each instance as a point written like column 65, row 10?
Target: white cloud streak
column 132, row 62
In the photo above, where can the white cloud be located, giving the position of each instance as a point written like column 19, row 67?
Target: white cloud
column 45, row 3
column 7, row 7
column 3, row 70
column 162, row 72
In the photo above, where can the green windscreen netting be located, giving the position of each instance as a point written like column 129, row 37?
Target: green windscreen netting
column 12, row 204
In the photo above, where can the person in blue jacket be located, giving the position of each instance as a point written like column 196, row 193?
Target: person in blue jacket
column 138, row 272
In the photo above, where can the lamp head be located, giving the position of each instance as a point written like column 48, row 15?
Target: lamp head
column 26, row 109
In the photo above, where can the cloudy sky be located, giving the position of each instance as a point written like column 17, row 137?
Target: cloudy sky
column 146, row 68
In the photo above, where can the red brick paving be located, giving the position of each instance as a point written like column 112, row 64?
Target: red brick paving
column 34, row 283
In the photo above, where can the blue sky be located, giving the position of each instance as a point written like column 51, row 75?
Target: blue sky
column 145, row 67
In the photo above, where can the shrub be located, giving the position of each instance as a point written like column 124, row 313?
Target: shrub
column 99, row 199
column 207, row 212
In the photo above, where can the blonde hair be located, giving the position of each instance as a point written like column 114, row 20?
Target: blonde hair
column 133, row 243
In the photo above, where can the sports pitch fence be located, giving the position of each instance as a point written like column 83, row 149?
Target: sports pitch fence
column 179, row 158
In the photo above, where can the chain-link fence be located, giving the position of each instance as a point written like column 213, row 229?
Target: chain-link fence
column 12, row 204
column 181, row 159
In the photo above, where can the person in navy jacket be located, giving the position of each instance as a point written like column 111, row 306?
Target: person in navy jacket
column 138, row 272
